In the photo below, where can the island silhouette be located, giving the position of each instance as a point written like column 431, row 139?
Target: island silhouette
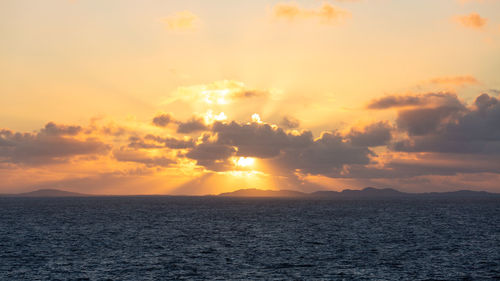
column 366, row 193
column 49, row 193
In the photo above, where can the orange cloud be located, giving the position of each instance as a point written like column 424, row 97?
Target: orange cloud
column 182, row 21
column 432, row 135
column 216, row 93
column 474, row 1
column 455, row 80
column 473, row 20
column 416, row 100
column 326, row 14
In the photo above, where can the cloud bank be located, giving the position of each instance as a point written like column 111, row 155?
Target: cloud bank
column 432, row 135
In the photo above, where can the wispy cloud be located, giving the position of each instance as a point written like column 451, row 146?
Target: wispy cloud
column 182, row 21
column 52, row 144
column 216, row 93
column 325, row 14
column 475, row 1
column 425, row 100
column 473, row 20
column 454, row 80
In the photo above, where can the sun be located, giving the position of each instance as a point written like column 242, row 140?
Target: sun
column 244, row 162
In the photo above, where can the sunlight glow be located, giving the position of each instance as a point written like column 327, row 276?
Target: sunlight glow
column 245, row 174
column 244, row 162
column 210, row 118
column 256, row 118
column 216, row 96
column 166, row 96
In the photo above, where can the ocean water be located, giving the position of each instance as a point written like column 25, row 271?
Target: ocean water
column 206, row 238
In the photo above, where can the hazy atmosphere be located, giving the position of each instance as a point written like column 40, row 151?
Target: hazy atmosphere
column 203, row 97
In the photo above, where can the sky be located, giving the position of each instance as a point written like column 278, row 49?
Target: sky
column 201, row 97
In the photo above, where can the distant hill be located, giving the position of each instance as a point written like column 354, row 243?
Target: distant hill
column 461, row 193
column 50, row 193
column 253, row 192
column 367, row 193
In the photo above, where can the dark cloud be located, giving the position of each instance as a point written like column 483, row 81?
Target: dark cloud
column 466, row 130
column 211, row 152
column 248, row 94
column 291, row 152
column 192, row 126
column 54, row 143
column 171, row 142
column 433, row 134
column 212, row 155
column 163, row 120
column 141, row 143
column 257, row 139
column 375, row 134
column 445, row 144
column 290, row 122
column 423, row 165
column 422, row 114
column 429, row 99
column 484, row 102
column 127, row 155
column 447, row 164
column 152, row 141
column 60, row 130
column 324, row 155
column 422, row 121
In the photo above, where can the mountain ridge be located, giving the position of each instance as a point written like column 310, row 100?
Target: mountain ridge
column 48, row 193
column 367, row 193
column 255, row 192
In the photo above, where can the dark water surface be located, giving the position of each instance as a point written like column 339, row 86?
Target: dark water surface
column 168, row 238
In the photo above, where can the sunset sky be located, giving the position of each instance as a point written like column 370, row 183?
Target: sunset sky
column 201, row 97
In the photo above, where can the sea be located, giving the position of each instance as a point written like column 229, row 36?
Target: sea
column 214, row 238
